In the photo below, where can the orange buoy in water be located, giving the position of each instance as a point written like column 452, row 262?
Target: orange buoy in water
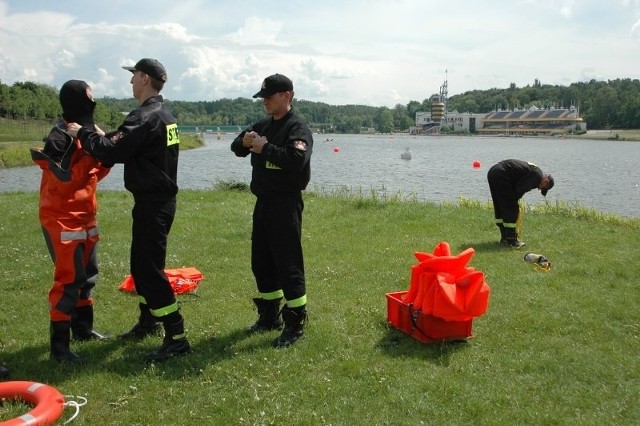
column 476, row 164
column 336, row 149
column 48, row 402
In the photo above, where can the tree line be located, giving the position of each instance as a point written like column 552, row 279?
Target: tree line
column 602, row 104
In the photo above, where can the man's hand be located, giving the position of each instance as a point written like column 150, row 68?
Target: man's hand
column 73, row 128
column 254, row 142
column 247, row 139
column 258, row 143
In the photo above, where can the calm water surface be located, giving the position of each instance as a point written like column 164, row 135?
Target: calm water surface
column 604, row 175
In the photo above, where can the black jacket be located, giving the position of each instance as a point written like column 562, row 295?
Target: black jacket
column 147, row 143
column 523, row 176
column 283, row 165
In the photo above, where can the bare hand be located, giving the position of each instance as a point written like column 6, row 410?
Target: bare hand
column 99, row 130
column 247, row 139
column 258, row 143
column 73, row 128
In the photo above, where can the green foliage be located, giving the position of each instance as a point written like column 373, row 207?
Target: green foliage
column 558, row 347
column 603, row 105
column 190, row 141
column 231, row 185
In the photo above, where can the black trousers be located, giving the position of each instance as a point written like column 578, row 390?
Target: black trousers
column 152, row 222
column 276, row 244
column 503, row 195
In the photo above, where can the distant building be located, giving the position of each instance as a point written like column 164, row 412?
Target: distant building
column 533, row 121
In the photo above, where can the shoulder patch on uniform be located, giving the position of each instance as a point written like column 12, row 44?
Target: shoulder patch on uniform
column 173, row 135
column 301, row 145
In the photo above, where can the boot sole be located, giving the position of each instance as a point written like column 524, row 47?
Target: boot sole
column 261, row 330
column 279, row 345
column 133, row 337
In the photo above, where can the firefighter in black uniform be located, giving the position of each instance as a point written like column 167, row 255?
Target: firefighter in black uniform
column 147, row 143
column 280, row 147
column 509, row 180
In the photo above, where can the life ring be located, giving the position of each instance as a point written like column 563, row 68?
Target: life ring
column 48, row 402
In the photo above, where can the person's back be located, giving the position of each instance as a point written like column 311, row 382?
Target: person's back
column 508, row 181
column 148, row 145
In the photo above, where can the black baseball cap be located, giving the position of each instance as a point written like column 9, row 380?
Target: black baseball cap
column 544, row 191
column 151, row 67
column 274, row 84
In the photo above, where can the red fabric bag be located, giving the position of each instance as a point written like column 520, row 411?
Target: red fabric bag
column 182, row 280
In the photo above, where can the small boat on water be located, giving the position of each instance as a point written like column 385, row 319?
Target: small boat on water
column 406, row 155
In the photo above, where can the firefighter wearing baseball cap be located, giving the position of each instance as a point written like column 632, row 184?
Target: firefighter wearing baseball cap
column 280, row 147
column 147, row 143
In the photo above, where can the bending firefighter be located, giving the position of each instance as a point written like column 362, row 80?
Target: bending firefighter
column 147, row 143
column 509, row 180
column 280, row 148
column 68, row 217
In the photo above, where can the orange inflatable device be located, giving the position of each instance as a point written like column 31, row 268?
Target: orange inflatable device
column 182, row 280
column 48, row 402
column 444, row 295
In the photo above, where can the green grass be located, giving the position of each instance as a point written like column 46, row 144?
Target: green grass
column 614, row 134
column 558, row 347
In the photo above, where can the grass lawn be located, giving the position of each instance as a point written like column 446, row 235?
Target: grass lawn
column 558, row 347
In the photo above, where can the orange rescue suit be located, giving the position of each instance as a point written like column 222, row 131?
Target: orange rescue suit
column 67, row 214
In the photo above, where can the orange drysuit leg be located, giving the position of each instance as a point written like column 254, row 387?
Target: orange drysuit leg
column 75, row 269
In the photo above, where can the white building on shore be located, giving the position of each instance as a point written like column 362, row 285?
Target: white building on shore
column 533, row 121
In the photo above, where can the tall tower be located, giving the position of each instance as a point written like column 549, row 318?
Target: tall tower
column 439, row 104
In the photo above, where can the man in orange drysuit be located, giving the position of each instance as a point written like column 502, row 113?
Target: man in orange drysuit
column 68, row 217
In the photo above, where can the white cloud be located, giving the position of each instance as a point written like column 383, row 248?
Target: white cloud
column 360, row 52
column 257, row 31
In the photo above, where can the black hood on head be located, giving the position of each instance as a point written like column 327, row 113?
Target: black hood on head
column 76, row 105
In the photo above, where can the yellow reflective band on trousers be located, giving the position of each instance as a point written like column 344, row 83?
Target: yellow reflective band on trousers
column 296, row 303
column 278, row 294
column 165, row 311
column 173, row 136
column 520, row 217
column 509, row 225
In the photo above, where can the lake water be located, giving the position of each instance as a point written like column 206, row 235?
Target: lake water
column 603, row 175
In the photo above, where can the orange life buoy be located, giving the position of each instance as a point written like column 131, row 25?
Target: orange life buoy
column 48, row 402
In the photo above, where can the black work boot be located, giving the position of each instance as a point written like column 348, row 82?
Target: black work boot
column 60, row 339
column 268, row 316
column 503, row 236
column 147, row 325
column 511, row 239
column 294, row 322
column 4, row 372
column 175, row 341
column 82, row 325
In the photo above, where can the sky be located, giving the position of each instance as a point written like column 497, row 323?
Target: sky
column 340, row 52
